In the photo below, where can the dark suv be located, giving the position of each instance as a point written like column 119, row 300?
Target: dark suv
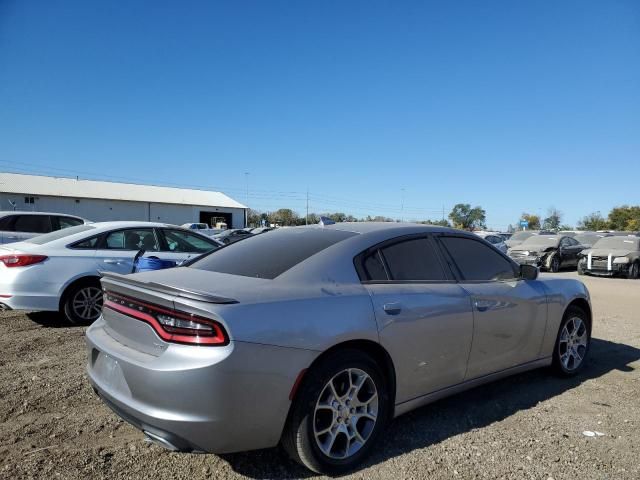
column 19, row 226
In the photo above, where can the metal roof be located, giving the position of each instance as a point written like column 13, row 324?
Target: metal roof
column 70, row 187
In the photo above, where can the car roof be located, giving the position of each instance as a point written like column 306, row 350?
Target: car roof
column 20, row 212
column 370, row 227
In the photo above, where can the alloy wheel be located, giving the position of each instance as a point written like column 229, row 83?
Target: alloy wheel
column 87, row 303
column 345, row 414
column 573, row 343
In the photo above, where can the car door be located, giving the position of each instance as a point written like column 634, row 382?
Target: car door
column 180, row 245
column 424, row 317
column 117, row 248
column 570, row 248
column 509, row 314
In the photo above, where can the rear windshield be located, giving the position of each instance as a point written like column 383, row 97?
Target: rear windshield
column 57, row 235
column 267, row 256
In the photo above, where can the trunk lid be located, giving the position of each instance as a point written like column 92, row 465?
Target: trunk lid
column 186, row 290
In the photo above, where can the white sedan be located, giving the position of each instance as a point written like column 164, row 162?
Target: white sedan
column 494, row 239
column 60, row 271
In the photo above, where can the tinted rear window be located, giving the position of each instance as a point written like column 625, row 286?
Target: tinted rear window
column 50, row 237
column 267, row 256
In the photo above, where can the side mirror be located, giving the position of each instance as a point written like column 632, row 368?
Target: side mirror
column 528, row 272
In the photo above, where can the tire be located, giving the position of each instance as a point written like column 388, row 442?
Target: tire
column 303, row 437
column 553, row 264
column 580, row 268
column 634, row 270
column 572, row 343
column 82, row 302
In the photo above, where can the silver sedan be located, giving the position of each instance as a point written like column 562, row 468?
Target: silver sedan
column 316, row 337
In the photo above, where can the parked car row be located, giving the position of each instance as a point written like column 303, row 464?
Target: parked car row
column 590, row 252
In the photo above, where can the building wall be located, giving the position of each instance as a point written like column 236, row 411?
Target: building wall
column 109, row 210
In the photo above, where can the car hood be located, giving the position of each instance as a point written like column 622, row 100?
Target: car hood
column 513, row 243
column 605, row 252
column 521, row 248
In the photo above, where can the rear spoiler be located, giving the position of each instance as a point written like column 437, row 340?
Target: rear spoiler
column 168, row 289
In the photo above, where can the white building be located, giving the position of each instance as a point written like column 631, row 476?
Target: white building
column 105, row 201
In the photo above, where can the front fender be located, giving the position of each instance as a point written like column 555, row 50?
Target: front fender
column 560, row 294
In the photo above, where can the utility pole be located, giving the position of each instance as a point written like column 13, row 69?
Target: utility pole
column 246, row 179
column 306, row 218
column 402, row 205
column 443, row 213
column 246, row 210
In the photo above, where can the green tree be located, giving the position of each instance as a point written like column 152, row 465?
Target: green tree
column 284, row 217
column 534, row 221
column 440, row 223
column 253, row 217
column 593, row 221
column 624, row 217
column 552, row 222
column 467, row 218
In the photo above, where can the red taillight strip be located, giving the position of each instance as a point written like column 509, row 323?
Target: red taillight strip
column 219, row 339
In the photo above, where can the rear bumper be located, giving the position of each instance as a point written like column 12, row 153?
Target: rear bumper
column 29, row 288
column 197, row 399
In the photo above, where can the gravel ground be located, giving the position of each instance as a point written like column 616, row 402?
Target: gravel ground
column 528, row 426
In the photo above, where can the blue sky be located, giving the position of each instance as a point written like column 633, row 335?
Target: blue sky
column 514, row 106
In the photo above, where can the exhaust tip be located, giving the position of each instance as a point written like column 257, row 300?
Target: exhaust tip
column 158, row 440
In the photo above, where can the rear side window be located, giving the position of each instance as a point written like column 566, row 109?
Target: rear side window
column 373, row 267
column 477, row 261
column 32, row 224
column 267, row 256
column 57, row 235
column 413, row 260
column 66, row 222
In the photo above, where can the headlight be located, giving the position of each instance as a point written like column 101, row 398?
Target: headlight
column 621, row 260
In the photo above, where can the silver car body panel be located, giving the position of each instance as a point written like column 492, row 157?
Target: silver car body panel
column 439, row 341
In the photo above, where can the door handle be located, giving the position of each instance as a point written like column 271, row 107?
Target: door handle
column 482, row 305
column 393, row 308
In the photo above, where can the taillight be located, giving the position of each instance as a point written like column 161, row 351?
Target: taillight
column 170, row 325
column 21, row 260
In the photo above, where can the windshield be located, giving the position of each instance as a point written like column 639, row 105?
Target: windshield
column 543, row 241
column 57, row 235
column 618, row 243
column 267, row 256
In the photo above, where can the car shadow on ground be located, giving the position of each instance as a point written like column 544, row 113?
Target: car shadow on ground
column 49, row 319
column 466, row 411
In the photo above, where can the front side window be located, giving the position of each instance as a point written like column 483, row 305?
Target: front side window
column 133, row 239
column 186, row 242
column 32, row 224
column 477, row 261
column 413, row 260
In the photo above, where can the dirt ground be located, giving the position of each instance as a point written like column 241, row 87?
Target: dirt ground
column 529, row 426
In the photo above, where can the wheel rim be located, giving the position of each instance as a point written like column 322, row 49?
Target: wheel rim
column 573, row 343
column 87, row 303
column 345, row 414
